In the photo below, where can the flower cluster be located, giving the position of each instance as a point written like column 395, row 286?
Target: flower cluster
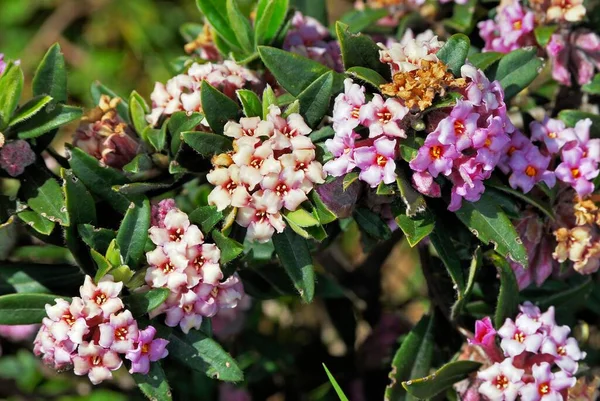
column 90, row 333
column 511, row 29
column 104, row 135
column 374, row 156
column 189, row 268
column 574, row 55
column 15, row 156
column 182, row 92
column 309, row 38
column 272, row 168
column 467, row 144
column 536, row 360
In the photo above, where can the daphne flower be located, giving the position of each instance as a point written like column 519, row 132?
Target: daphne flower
column 570, row 10
column 290, row 132
column 119, row 333
column 574, row 54
column 15, row 156
column 185, row 313
column 69, row 320
column 458, row 128
column 287, row 187
column 225, row 295
column 383, row 117
column 262, row 216
column 552, row 132
column 501, row 381
column 347, row 107
column 591, row 147
column 547, row 386
column 528, row 168
column 255, row 160
column 564, row 348
column 485, row 337
column 96, row 362
column 102, row 299
column 54, row 353
column 490, row 142
column 203, row 265
column 377, row 162
column 577, row 170
column 342, row 147
column 166, row 268
column 479, row 91
column 148, row 349
column 160, row 210
column 177, row 229
column 229, row 189
column 546, row 319
column 301, row 163
column 248, row 126
column 434, row 157
column 424, row 183
column 511, row 29
column 520, row 336
column 407, row 56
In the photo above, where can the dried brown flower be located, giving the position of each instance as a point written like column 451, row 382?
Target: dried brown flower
column 419, row 87
column 586, row 211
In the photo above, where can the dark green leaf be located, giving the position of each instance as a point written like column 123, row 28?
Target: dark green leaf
column 562, row 298
column 154, row 384
column 462, row 17
column 454, row 52
column 138, row 109
column 96, row 238
column 35, row 278
column 207, row 217
column 430, row 386
column 181, row 122
column 270, row 15
column 412, row 359
column 141, row 303
column 324, row 214
column 47, row 120
column 133, row 233
column 489, row 223
column 230, row 248
column 243, row 30
column 29, row 109
column 508, row 303
column 251, row 103
column 216, row 15
column 217, row 107
column 207, row 144
column 517, row 70
column 371, row 223
column 463, row 295
column 367, row 75
column 417, row 227
column 441, row 240
column 485, row 59
column 414, row 201
column 80, row 203
column 37, row 222
column 44, row 195
column 24, row 308
column 314, row 100
column 359, row 20
column 51, row 75
column 540, row 204
column 359, row 50
column 294, row 254
column 336, row 386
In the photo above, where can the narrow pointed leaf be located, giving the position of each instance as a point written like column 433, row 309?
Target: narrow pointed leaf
column 144, row 302
column 251, row 103
column 336, row 386
column 218, row 108
column 216, row 14
column 243, row 31
column 206, row 143
column 270, row 16
column 508, row 303
column 17, row 309
column 51, row 75
column 29, row 109
column 11, row 86
column 454, row 52
column 314, row 100
column 359, row 50
column 154, row 385
column 429, row 386
column 133, row 233
column 230, row 249
column 294, row 254
column 47, row 120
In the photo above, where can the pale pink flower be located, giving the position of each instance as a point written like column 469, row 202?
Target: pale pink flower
column 287, row 187
column 384, row 117
column 424, row 183
column 347, row 107
column 262, row 216
column 377, row 162
column 54, row 353
column 518, row 337
column 289, row 133
column 547, row 386
column 203, row 265
column 69, row 320
column 160, row 210
column 166, row 268
column 229, row 188
column 186, row 313
column 501, row 381
column 96, row 362
column 302, row 164
column 248, row 126
column 256, row 160
column 407, row 56
column 120, row 333
column 564, row 348
column 102, row 299
column 177, row 229
column 342, row 147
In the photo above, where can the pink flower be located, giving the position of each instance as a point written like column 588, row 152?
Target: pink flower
column 458, row 128
column 15, row 156
column 377, row 162
column 96, row 362
column 68, row 320
column 520, row 336
column 564, row 348
column 407, row 56
column 225, row 295
column 342, row 147
column 552, row 132
column 479, row 91
column 256, row 160
column 302, row 164
column 160, row 210
column 262, row 216
column 166, row 267
column 485, row 337
column 512, row 28
column 57, row 354
column 102, row 299
column 203, row 264
column 347, row 108
column 424, row 183
column 491, row 143
column 177, row 229
column 287, row 187
column 18, row 332
column 434, row 157
column 383, row 117
column 120, row 333
column 577, row 170
column 186, row 313
column 574, row 55
column 248, row 126
column 547, row 386
column 148, row 349
column 529, row 167
column 501, row 381
column 289, row 133
column 229, row 189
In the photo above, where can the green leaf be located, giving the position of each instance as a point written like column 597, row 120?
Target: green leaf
column 412, row 359
column 99, row 179
column 103, row 265
column 96, row 238
column 216, row 15
column 29, row 109
column 302, row 218
column 230, row 249
column 47, row 120
column 313, row 8
column 371, row 223
column 563, row 298
column 157, row 138
column 35, row 278
column 251, row 103
column 207, row 144
column 37, row 222
column 414, row 201
column 314, row 100
column 44, row 195
column 367, row 75
column 293, row 72
column 508, row 303
column 217, row 107
column 16, row 309
column 417, row 227
column 543, row 34
column 207, row 217
column 269, row 98
column 359, row 50
column 270, row 16
column 516, row 70
column 199, row 352
column 98, row 90
column 81, row 206
column 463, row 295
column 336, row 386
column 138, row 109
column 489, row 223
column 324, row 214
column 359, row 20
column 454, row 52
column 294, row 254
column 140, row 303
column 11, row 86
column 51, row 75
column 540, row 204
column 593, row 87
column 462, row 17
column 133, row 233
column 571, row 117
column 154, row 384
column 430, row 386
column 441, row 240
column 243, row 30
column 484, row 60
